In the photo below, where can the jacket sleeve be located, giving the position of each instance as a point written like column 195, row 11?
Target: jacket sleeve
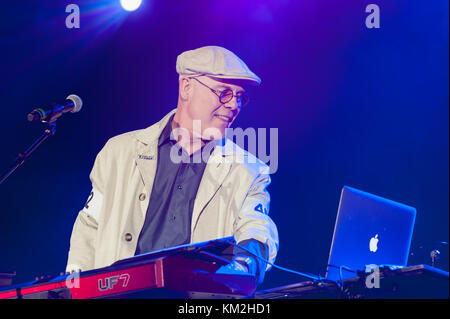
column 253, row 221
column 82, row 241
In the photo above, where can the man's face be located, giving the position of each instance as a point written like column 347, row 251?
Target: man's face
column 206, row 107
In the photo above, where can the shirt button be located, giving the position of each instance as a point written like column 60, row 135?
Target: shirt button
column 180, row 187
column 142, row 196
column 128, row 237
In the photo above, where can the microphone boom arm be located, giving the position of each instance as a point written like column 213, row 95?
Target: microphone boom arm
column 20, row 159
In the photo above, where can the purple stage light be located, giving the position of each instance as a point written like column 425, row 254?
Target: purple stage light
column 130, row 5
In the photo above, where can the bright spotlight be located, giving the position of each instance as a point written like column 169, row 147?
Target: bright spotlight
column 130, row 5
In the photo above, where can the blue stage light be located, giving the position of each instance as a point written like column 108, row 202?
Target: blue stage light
column 130, row 5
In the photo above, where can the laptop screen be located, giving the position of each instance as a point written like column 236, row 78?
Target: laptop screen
column 369, row 230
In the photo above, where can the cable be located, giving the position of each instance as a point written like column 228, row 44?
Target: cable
column 341, row 277
column 309, row 276
column 316, row 279
column 343, row 267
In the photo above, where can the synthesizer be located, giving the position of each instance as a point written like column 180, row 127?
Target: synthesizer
column 187, row 271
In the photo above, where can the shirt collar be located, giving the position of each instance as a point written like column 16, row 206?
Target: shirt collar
column 224, row 147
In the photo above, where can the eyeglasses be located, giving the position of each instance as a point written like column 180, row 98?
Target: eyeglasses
column 227, row 95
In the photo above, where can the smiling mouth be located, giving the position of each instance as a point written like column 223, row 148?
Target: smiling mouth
column 223, row 118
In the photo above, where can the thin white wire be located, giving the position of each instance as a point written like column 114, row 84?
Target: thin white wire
column 309, row 276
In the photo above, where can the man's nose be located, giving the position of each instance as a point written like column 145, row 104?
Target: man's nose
column 232, row 104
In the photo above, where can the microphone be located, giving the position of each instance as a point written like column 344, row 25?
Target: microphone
column 72, row 104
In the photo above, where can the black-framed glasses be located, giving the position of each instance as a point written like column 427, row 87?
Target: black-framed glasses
column 227, row 95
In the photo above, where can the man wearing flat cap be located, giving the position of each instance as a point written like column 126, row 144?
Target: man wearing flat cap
column 181, row 180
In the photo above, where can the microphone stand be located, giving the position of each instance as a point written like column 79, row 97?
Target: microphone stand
column 20, row 159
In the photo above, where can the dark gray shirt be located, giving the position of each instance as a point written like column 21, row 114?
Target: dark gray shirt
column 169, row 213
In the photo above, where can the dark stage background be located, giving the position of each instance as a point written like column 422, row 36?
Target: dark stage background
column 354, row 106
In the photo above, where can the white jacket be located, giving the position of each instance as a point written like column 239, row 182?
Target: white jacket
column 232, row 199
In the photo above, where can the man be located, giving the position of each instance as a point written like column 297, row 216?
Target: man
column 180, row 180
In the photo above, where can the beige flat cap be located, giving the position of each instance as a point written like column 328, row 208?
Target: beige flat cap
column 216, row 62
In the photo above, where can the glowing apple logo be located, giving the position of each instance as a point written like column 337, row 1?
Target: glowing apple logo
column 373, row 244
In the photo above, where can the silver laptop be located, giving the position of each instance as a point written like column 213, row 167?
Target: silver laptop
column 369, row 230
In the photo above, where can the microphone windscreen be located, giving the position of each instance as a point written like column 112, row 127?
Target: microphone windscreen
column 77, row 101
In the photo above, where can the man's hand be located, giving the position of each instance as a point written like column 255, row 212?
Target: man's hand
column 235, row 268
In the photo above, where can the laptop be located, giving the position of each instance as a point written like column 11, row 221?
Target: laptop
column 369, row 230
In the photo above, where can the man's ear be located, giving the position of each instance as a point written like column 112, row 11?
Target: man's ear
column 185, row 88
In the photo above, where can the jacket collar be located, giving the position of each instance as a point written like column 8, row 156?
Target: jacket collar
column 150, row 136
